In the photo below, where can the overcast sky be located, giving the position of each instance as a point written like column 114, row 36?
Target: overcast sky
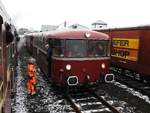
column 117, row 13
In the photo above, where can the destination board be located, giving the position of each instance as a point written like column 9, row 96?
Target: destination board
column 132, row 43
column 128, row 54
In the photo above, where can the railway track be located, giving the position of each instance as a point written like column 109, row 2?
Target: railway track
column 90, row 102
column 138, row 85
column 51, row 100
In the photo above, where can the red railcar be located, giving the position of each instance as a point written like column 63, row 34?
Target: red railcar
column 68, row 67
column 131, row 49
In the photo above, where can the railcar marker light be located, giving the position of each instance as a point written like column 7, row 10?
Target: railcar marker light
column 68, row 67
column 88, row 77
column 103, row 66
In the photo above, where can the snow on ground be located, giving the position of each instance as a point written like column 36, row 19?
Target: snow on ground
column 45, row 101
column 133, row 92
column 21, row 43
column 20, row 98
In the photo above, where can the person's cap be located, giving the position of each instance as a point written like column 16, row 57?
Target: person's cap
column 31, row 60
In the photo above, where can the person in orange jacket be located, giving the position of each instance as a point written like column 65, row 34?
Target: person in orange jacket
column 31, row 70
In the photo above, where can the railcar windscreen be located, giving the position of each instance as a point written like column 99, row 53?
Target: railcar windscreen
column 98, row 48
column 59, row 48
column 73, row 48
column 76, row 48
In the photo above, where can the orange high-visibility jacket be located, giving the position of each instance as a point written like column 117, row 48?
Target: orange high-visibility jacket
column 31, row 70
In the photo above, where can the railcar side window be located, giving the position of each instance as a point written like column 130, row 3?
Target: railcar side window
column 76, row 48
column 44, row 43
column 40, row 41
column 59, row 48
column 98, row 48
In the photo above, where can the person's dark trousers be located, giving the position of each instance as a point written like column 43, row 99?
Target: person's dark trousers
column 49, row 69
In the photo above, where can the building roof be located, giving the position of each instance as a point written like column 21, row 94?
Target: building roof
column 48, row 27
column 99, row 22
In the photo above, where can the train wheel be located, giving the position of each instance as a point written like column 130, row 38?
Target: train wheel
column 53, row 84
column 141, row 78
column 102, row 79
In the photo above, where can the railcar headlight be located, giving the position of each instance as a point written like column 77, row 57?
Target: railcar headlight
column 68, row 67
column 103, row 66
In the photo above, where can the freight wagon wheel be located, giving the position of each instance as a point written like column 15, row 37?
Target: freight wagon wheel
column 141, row 78
column 147, row 78
column 64, row 89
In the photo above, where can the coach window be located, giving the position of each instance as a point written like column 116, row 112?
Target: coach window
column 39, row 41
column 98, row 48
column 44, row 43
column 9, row 35
column 0, row 64
column 1, row 80
column 59, row 48
column 35, row 41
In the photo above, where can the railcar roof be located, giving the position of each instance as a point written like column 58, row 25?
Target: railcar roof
column 78, row 34
column 72, row 34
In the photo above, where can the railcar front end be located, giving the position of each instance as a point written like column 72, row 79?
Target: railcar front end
column 78, row 62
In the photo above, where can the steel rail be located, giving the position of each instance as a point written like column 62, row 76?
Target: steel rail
column 74, row 106
column 104, row 102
